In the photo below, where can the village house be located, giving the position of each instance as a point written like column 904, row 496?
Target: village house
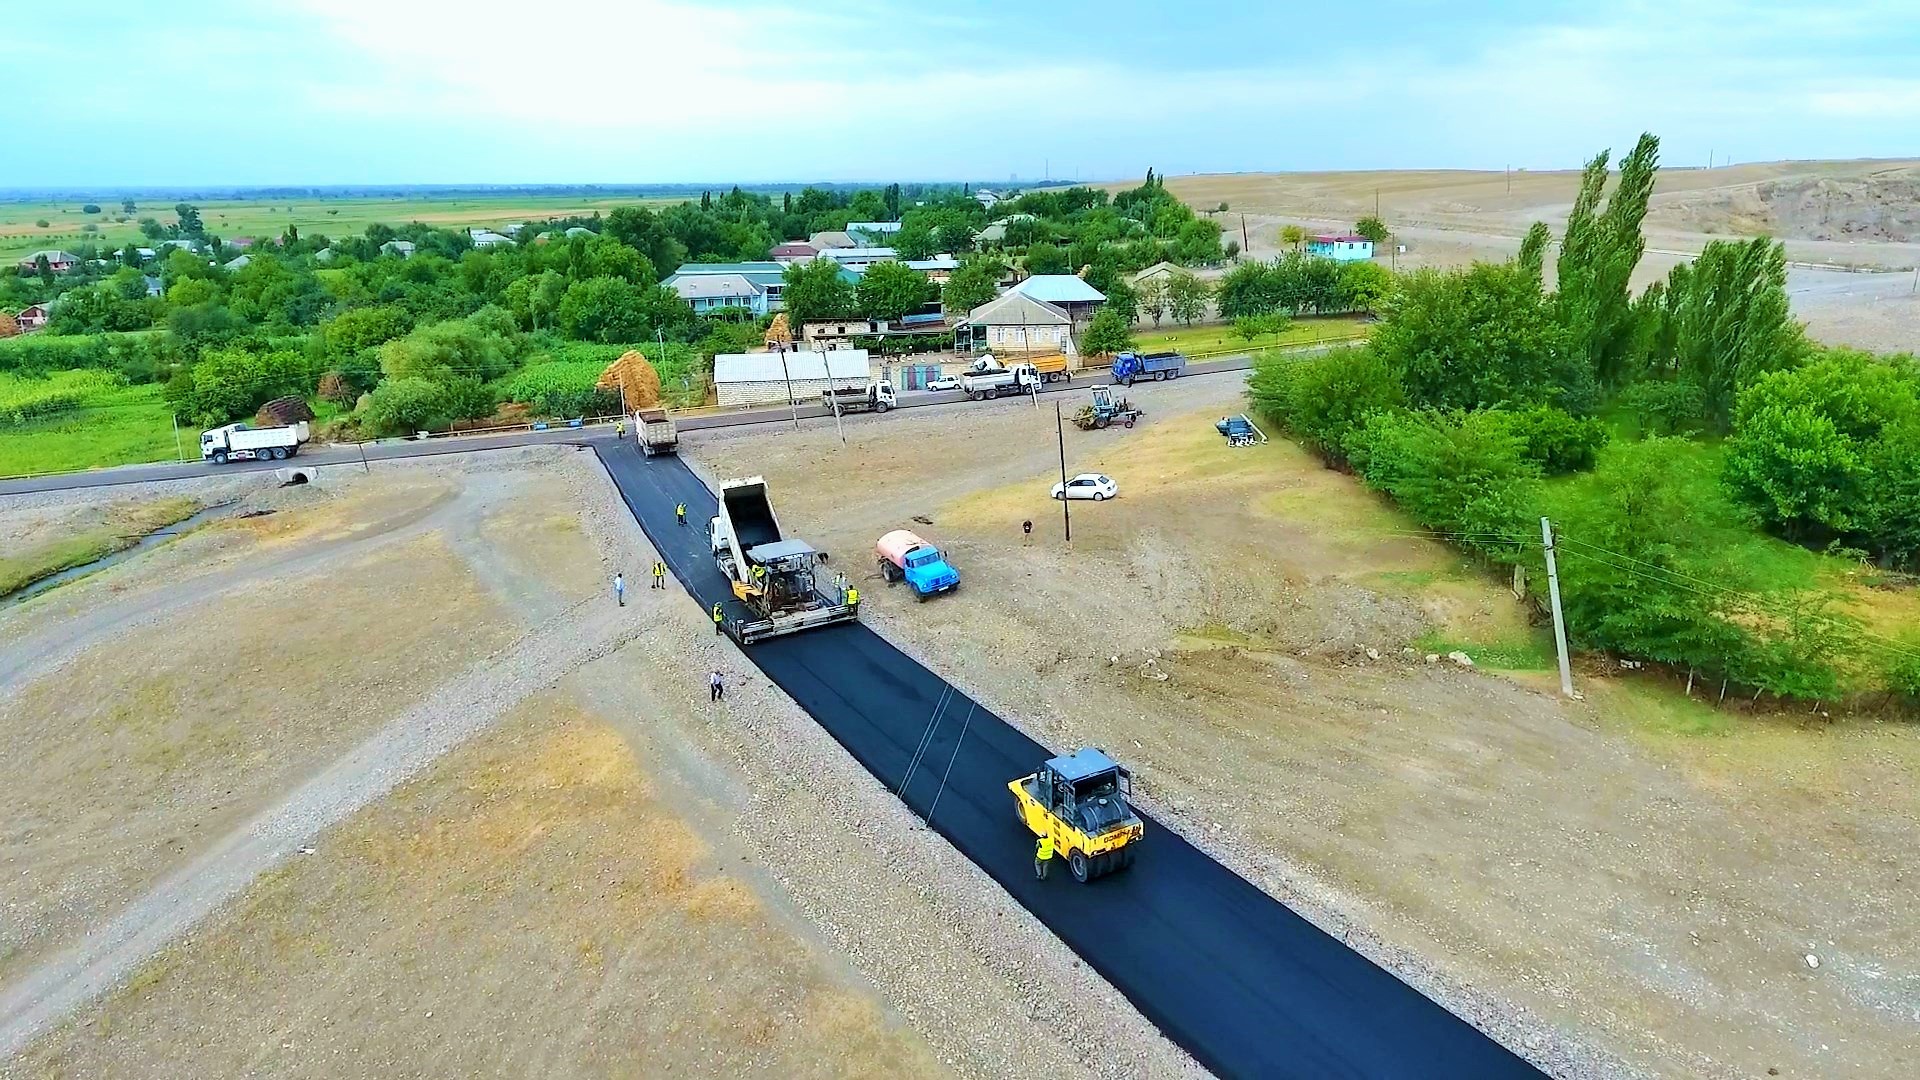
column 712, row 292
column 841, row 333
column 1343, row 248
column 794, row 251
column 770, row 278
column 402, row 248
column 33, row 317
column 858, row 258
column 1160, row 271
column 873, row 232
column 239, row 262
column 824, row 241
column 59, row 261
column 1067, row 292
column 767, row 378
column 937, row 269
column 486, row 238
column 240, row 243
column 1014, row 323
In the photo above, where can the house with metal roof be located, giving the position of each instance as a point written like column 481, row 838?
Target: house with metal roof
column 486, row 238
column 1067, row 292
column 59, row 261
column 792, row 252
column 873, row 232
column 859, row 258
column 712, row 292
column 937, row 269
column 1016, row 323
column 1346, row 247
column 766, row 378
column 832, row 238
column 769, row 277
column 402, row 248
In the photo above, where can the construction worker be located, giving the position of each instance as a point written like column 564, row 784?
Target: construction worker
column 719, row 619
column 619, row 429
column 853, row 598
column 1043, row 856
column 759, row 575
column 620, row 589
column 659, row 574
column 716, row 687
column 680, row 513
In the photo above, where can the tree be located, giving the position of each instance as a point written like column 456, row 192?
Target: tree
column 229, row 384
column 1187, row 296
column 1598, row 253
column 646, row 232
column 605, row 309
column 359, row 328
column 1123, row 300
column 1251, row 288
column 1364, row 286
column 1046, row 259
column 1153, row 299
column 1250, row 327
column 1477, row 338
column 1372, row 228
column 974, row 283
column 90, row 208
column 1533, row 251
column 891, row 289
column 1723, row 321
column 1324, row 400
column 44, row 268
column 151, row 228
column 1293, row 236
column 816, row 291
column 127, row 207
column 1107, row 334
column 915, row 241
column 187, row 220
column 1464, row 472
column 407, row 405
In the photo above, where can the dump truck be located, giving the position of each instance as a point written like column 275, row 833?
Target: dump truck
column 1080, row 799
column 1129, row 367
column 993, row 382
column 239, row 442
column 773, row 575
column 656, row 432
column 905, row 557
column 1051, row 367
column 873, row 397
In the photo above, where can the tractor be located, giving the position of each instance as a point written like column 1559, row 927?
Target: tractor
column 1080, row 799
column 1106, row 410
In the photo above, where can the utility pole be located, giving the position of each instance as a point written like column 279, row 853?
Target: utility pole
column 179, row 451
column 787, row 374
column 838, row 430
column 1509, row 179
column 1376, row 202
column 1243, row 234
column 1553, row 596
column 1066, row 515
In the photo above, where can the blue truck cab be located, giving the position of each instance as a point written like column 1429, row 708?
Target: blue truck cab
column 1129, row 367
column 905, row 557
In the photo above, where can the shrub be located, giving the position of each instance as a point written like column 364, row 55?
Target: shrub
column 1463, row 473
column 335, row 387
column 1480, row 338
column 1901, row 673
column 230, row 384
column 1666, row 408
column 403, row 406
column 1107, row 334
column 1556, row 441
column 1324, row 400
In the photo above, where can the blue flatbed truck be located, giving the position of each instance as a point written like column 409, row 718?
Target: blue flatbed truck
column 1130, row 367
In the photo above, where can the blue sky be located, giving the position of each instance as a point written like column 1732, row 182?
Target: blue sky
column 206, row 92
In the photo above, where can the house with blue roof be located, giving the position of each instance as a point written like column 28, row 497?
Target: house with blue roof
column 755, row 286
column 1067, row 292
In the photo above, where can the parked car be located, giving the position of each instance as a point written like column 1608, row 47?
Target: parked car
column 1087, row 486
column 949, row 383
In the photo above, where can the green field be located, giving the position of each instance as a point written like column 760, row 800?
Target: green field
column 1217, row 339
column 20, row 233
column 115, row 427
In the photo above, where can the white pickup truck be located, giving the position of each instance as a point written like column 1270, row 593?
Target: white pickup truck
column 238, row 442
column 992, row 383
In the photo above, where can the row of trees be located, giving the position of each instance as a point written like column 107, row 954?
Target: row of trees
column 1295, row 283
column 1479, row 384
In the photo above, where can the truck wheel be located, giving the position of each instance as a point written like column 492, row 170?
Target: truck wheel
column 279, row 453
column 1174, row 374
column 882, row 407
column 219, row 457
column 1082, row 872
column 976, row 395
column 920, row 596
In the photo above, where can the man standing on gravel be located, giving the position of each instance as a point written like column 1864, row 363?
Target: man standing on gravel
column 716, row 687
column 620, row 588
column 659, row 574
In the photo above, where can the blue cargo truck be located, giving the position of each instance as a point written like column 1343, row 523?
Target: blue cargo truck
column 1130, row 367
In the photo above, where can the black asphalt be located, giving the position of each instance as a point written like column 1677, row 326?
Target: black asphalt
column 354, row 453
column 1227, row 972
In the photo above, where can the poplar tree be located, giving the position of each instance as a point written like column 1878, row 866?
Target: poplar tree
column 1598, row 255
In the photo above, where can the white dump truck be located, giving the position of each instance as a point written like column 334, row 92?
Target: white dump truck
column 873, row 397
column 655, row 430
column 996, row 381
column 238, row 442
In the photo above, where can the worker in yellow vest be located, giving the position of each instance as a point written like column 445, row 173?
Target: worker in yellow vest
column 680, row 513
column 853, row 598
column 719, row 620
column 1043, row 857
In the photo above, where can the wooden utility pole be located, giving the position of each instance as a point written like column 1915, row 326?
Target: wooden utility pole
column 1066, row 515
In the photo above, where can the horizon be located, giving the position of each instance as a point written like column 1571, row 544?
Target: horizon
column 358, row 92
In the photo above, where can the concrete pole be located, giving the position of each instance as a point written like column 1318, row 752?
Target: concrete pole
column 1559, row 621
column 787, row 374
column 1066, row 515
column 179, row 450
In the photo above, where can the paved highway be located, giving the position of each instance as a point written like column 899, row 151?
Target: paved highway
column 1244, row 984
column 352, row 453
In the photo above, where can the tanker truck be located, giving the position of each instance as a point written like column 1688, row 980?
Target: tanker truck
column 905, row 557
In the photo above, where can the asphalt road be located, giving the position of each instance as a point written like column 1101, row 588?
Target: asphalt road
column 1224, row 970
column 463, row 444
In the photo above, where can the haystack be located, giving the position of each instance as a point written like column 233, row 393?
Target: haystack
column 779, row 332
column 635, row 378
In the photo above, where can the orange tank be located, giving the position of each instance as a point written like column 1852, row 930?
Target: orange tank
column 894, row 546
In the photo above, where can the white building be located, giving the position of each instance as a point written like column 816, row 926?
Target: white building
column 763, row 378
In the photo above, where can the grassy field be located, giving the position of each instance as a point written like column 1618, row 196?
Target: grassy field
column 1215, row 339
column 21, row 233
column 115, row 427
column 123, row 528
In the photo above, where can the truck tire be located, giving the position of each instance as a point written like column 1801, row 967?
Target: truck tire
column 1174, row 373
column 279, row 453
column 920, row 596
column 976, row 395
column 1082, row 870
column 219, row 457
column 882, row 407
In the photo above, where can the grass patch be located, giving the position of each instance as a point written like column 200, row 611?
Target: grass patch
column 1218, row 339
column 1532, row 652
column 124, row 527
column 121, row 426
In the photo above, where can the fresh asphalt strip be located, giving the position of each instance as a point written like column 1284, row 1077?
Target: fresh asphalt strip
column 1224, row 970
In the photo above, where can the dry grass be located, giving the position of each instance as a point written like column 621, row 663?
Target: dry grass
column 120, row 527
column 530, row 906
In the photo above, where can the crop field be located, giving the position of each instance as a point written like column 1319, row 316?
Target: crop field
column 21, row 231
column 1217, row 339
column 98, row 422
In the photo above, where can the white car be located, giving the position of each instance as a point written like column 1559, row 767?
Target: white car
column 944, row 384
column 1087, row 485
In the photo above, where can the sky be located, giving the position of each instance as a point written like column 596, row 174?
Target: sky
column 297, row 92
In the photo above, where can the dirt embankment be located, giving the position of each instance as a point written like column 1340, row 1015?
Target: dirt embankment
column 1630, row 881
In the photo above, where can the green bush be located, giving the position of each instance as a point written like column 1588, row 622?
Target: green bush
column 231, row 384
column 1463, row 473
column 1666, row 408
column 1323, row 400
column 1556, row 441
column 562, row 388
column 1480, row 338
column 403, row 406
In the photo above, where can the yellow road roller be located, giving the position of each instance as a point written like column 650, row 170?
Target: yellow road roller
column 1080, row 799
